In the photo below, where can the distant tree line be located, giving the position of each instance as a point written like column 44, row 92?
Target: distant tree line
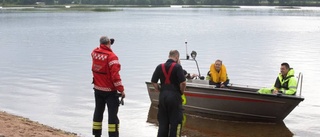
column 168, row 2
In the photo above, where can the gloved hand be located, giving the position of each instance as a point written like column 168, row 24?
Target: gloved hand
column 122, row 95
column 121, row 101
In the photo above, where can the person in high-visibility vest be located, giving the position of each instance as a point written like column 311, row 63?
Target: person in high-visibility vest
column 173, row 85
column 217, row 75
column 107, row 84
column 285, row 83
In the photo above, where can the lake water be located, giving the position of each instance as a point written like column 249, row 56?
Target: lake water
column 45, row 64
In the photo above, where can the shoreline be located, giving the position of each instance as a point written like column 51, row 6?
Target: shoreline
column 17, row 126
column 115, row 8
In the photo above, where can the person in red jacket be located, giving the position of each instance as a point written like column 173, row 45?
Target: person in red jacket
column 107, row 84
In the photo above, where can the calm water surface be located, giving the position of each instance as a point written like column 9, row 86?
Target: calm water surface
column 45, row 64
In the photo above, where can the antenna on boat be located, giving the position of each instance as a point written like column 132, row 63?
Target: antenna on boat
column 187, row 55
column 193, row 55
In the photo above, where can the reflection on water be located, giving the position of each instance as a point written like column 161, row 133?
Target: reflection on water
column 203, row 126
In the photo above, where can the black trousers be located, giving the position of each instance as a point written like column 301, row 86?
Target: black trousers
column 170, row 114
column 218, row 84
column 112, row 100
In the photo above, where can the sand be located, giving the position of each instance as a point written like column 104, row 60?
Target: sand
column 17, row 126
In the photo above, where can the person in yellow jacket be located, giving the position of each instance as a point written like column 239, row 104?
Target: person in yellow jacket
column 285, row 83
column 218, row 75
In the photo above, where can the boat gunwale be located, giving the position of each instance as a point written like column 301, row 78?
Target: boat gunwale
column 208, row 87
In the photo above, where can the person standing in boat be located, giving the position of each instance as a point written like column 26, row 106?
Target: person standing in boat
column 217, row 75
column 107, row 84
column 172, row 86
column 285, row 83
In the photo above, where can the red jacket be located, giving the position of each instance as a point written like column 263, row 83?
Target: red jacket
column 105, row 70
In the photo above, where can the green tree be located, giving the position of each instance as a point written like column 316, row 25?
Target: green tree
column 167, row 2
column 156, row 2
column 271, row 2
column 179, row 2
column 191, row 2
column 228, row 2
column 49, row 2
column 284, row 2
column 143, row 2
column 65, row 1
column 28, row 2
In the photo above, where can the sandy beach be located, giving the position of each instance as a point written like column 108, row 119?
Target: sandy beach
column 17, row 126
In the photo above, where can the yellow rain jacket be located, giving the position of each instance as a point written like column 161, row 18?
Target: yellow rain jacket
column 288, row 85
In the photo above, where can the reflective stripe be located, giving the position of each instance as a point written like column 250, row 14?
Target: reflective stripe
column 117, row 83
column 113, row 127
column 102, row 88
column 113, row 62
column 99, row 56
column 292, row 87
column 178, row 130
column 184, row 120
column 97, row 125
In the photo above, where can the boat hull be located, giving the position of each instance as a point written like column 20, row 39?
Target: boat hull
column 236, row 103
